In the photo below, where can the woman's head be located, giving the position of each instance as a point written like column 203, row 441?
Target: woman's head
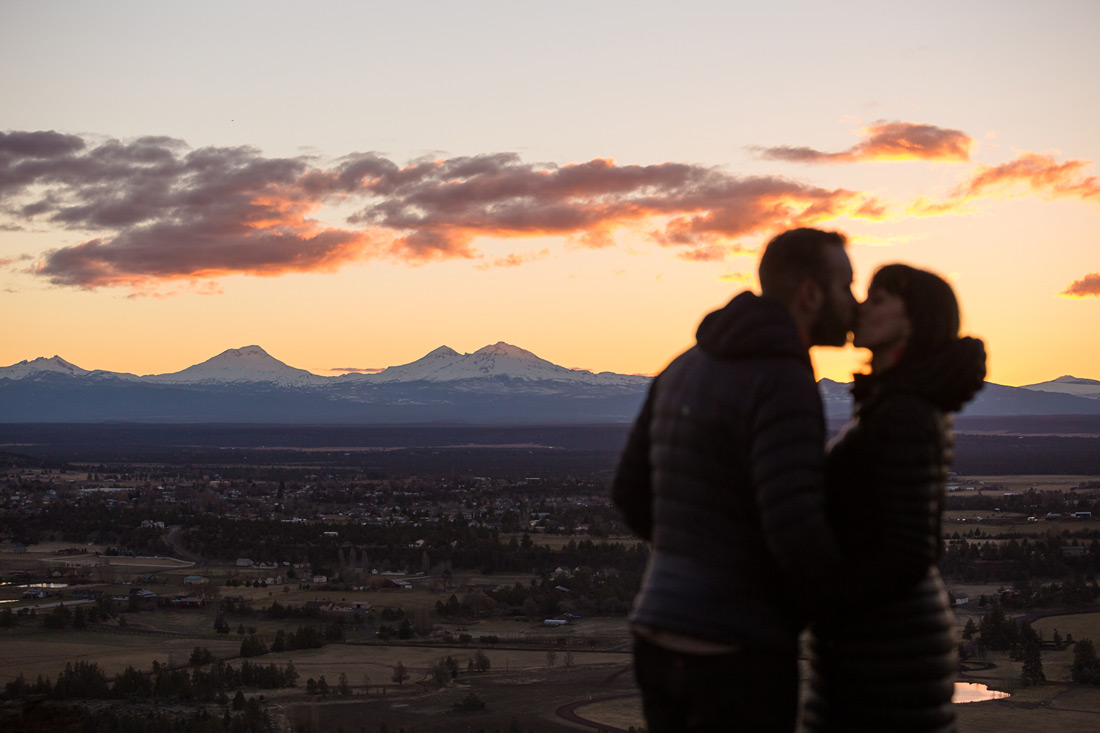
column 909, row 313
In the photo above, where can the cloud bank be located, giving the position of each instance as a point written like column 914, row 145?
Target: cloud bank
column 159, row 211
column 885, row 141
column 153, row 212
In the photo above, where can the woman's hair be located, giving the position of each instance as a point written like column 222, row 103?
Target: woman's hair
column 930, row 305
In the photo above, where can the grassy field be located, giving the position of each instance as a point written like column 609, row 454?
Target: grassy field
column 36, row 652
column 523, row 684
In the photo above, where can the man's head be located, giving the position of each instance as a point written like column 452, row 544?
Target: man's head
column 808, row 272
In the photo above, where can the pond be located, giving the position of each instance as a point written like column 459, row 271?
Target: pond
column 43, row 586
column 975, row 692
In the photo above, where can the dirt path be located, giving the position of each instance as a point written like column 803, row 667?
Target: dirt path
column 569, row 712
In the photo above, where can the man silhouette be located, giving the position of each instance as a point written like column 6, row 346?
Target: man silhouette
column 723, row 474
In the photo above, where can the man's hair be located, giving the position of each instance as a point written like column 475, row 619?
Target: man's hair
column 795, row 256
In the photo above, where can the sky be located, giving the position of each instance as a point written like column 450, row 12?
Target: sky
column 352, row 185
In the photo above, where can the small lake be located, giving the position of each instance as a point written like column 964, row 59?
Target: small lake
column 975, row 692
column 43, row 586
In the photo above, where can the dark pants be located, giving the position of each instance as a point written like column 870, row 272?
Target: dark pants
column 750, row 691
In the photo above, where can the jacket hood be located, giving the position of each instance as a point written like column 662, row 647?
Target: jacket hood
column 751, row 326
column 948, row 379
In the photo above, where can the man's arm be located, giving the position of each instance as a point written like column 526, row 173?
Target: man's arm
column 632, row 488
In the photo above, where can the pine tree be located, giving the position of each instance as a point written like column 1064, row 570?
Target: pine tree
column 1086, row 666
column 1032, row 656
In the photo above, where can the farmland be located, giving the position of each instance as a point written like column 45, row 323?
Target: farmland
column 349, row 564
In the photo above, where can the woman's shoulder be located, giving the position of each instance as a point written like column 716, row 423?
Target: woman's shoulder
column 892, row 411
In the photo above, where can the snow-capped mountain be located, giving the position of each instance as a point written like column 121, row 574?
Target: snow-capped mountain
column 421, row 369
column 498, row 360
column 1089, row 388
column 499, row 383
column 495, row 384
column 247, row 365
column 42, row 365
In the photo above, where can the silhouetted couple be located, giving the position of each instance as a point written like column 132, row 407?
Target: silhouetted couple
column 757, row 532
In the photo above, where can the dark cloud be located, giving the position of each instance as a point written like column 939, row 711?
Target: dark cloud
column 159, row 211
column 1086, row 287
column 885, row 141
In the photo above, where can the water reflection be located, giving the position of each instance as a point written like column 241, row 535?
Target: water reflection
column 975, row 692
column 43, row 586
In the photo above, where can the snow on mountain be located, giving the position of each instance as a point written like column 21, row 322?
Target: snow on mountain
column 421, row 369
column 35, row 367
column 498, row 360
column 1069, row 385
column 247, row 365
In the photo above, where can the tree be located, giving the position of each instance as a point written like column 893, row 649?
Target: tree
column 252, row 646
column 1032, row 657
column 400, row 674
column 238, row 701
column 470, row 702
column 200, row 655
column 342, row 686
column 221, row 625
column 1086, row 666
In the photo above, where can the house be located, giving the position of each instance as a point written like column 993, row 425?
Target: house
column 195, row 580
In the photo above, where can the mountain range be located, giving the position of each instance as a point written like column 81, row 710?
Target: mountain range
column 499, row 383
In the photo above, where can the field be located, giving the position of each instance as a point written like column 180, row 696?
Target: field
column 544, row 678
column 526, row 685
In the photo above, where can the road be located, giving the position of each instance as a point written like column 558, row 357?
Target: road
column 172, row 539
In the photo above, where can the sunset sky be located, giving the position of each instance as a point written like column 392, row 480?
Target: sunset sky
column 351, row 185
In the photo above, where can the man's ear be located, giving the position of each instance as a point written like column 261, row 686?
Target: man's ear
column 810, row 297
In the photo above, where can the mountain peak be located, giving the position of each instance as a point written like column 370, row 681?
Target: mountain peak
column 1068, row 379
column 1068, row 384
column 52, row 365
column 503, row 349
column 247, row 364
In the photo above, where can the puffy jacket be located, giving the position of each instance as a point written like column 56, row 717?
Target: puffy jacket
column 889, row 663
column 723, row 474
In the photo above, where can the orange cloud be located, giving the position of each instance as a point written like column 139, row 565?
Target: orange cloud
column 515, row 259
column 885, row 141
column 164, row 213
column 1086, row 287
column 1039, row 174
